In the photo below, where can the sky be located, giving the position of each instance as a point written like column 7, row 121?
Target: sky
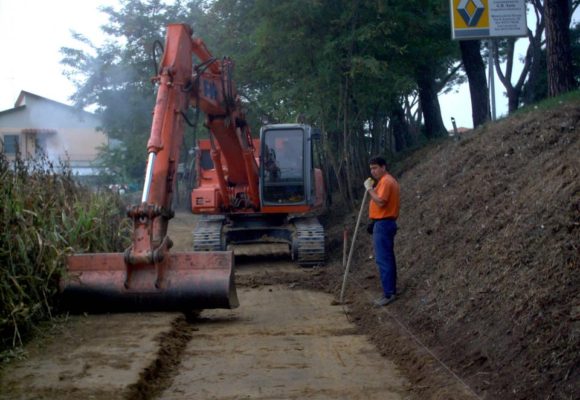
column 33, row 31
column 31, row 35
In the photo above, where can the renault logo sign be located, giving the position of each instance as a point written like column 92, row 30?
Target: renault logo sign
column 483, row 19
column 470, row 11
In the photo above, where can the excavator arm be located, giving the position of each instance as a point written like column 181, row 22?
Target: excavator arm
column 214, row 93
column 147, row 275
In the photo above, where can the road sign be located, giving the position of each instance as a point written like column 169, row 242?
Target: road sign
column 483, row 19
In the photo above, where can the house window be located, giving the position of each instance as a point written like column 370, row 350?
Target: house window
column 11, row 144
column 41, row 145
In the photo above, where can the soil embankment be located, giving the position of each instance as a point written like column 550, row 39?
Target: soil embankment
column 488, row 256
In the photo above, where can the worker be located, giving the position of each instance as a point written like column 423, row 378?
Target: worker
column 271, row 165
column 384, row 211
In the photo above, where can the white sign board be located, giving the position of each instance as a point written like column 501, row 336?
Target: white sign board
column 483, row 19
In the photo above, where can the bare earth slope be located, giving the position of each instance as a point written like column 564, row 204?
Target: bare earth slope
column 488, row 254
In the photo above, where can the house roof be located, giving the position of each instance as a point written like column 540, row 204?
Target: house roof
column 20, row 103
column 11, row 110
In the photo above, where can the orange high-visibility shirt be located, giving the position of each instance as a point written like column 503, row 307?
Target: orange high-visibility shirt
column 387, row 189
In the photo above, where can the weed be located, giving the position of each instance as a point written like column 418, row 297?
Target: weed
column 45, row 216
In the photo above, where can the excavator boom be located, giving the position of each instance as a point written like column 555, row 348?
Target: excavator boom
column 147, row 275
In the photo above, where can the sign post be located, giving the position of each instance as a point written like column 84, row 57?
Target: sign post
column 488, row 19
column 491, row 78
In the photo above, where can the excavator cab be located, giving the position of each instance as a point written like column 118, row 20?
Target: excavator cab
column 286, row 166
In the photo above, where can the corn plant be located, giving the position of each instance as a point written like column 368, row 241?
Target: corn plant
column 45, row 216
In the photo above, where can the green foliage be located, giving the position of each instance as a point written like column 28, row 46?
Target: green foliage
column 44, row 217
column 347, row 67
column 116, row 76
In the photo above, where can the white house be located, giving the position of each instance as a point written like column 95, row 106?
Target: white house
column 63, row 132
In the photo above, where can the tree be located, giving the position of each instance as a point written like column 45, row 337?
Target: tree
column 348, row 67
column 475, row 70
column 535, row 87
column 559, row 54
column 331, row 62
column 531, row 73
column 423, row 33
column 513, row 91
column 429, row 101
column 116, row 76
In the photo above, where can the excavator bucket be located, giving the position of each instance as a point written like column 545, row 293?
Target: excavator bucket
column 184, row 281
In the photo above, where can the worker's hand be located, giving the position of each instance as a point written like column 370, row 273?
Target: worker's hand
column 369, row 183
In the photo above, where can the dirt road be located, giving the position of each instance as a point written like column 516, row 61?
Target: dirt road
column 284, row 342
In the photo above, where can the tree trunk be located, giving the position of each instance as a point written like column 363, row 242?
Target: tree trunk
column 434, row 126
column 412, row 116
column 377, row 130
column 400, row 127
column 475, row 70
column 559, row 53
column 513, row 95
column 331, row 156
column 536, row 85
column 513, row 91
column 535, row 89
column 346, row 143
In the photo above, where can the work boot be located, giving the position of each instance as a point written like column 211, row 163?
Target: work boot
column 383, row 301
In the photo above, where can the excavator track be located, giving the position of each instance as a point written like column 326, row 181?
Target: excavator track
column 308, row 247
column 207, row 234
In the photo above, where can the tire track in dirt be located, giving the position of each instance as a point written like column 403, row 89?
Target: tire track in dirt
column 159, row 375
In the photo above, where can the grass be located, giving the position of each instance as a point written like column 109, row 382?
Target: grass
column 45, row 216
column 552, row 102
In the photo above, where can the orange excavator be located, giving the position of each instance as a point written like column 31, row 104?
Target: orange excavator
column 248, row 191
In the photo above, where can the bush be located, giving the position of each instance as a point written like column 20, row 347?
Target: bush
column 45, row 216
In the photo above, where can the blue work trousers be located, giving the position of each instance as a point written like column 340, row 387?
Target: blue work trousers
column 384, row 233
